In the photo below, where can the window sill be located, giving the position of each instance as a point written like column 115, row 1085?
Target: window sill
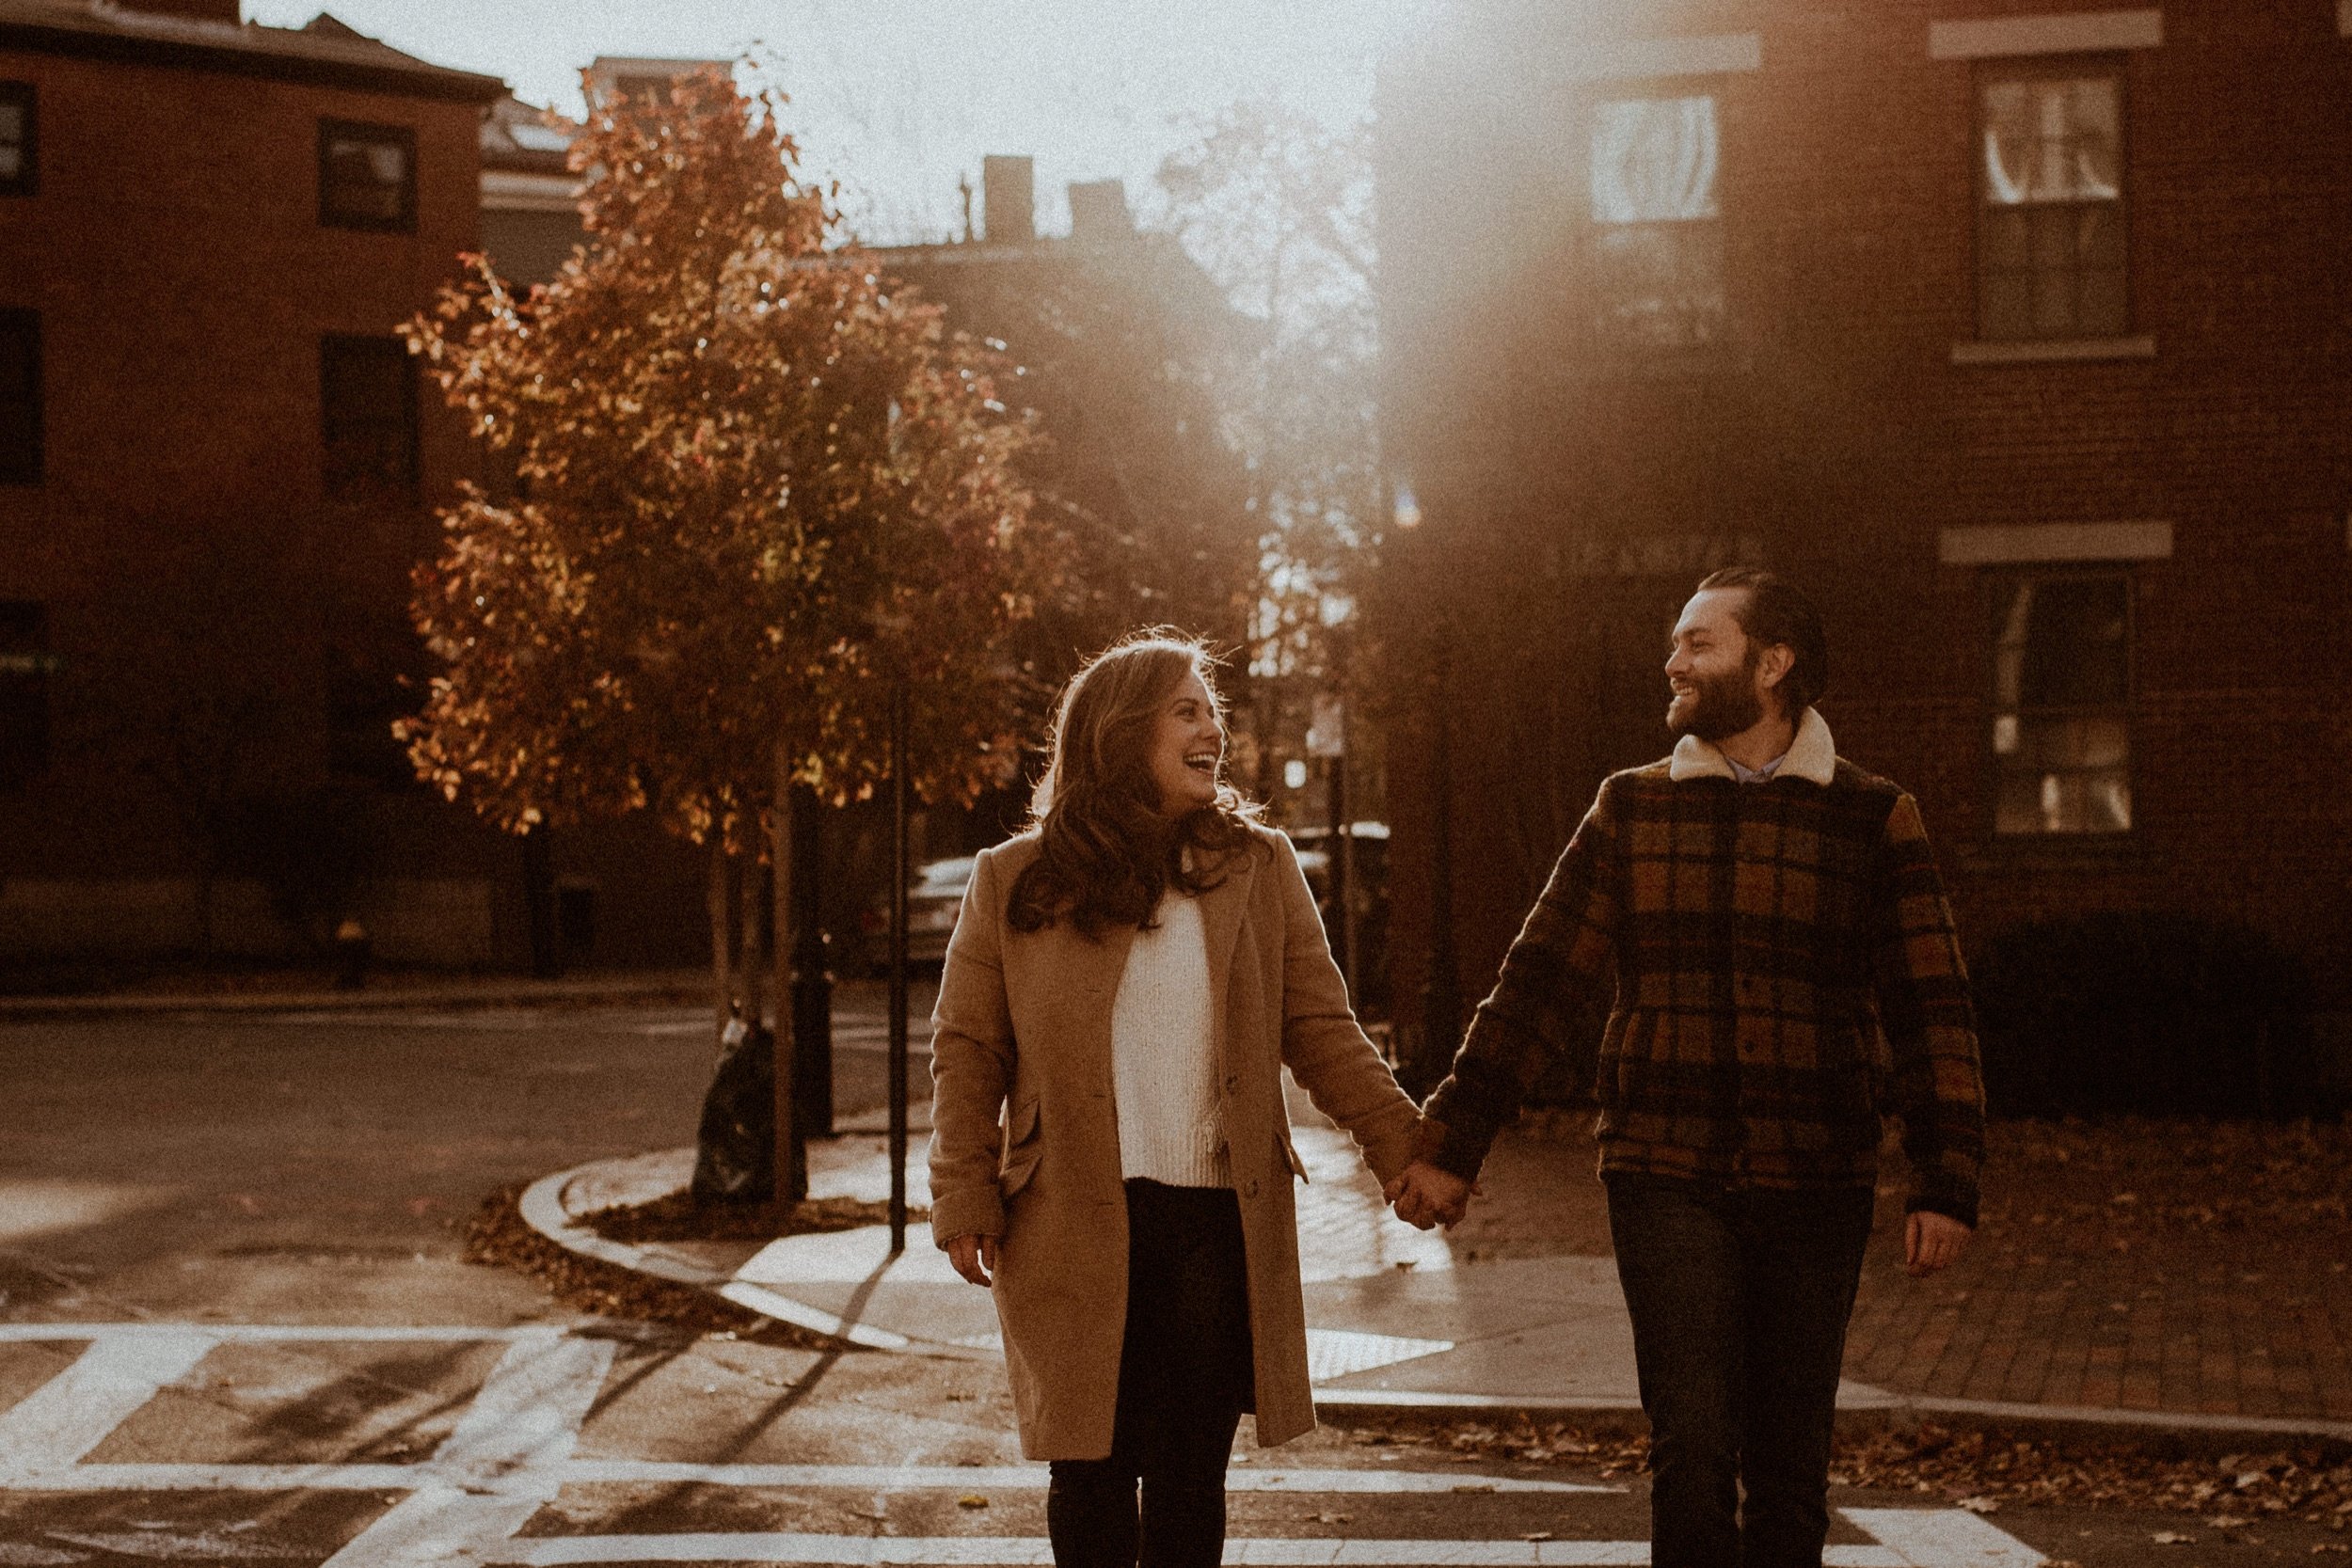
column 2061, row 352
column 2041, row 853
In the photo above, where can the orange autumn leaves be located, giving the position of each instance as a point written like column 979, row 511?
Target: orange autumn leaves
column 750, row 486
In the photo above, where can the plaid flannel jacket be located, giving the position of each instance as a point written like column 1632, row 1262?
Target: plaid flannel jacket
column 1786, row 974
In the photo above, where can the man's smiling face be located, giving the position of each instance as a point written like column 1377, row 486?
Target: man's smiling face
column 1716, row 673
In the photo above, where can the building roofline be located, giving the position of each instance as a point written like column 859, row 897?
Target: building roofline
column 276, row 53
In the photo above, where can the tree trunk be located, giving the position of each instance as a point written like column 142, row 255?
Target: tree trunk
column 759, row 933
column 791, row 1151
column 721, row 953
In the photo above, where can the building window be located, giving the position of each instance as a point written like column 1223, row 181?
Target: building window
column 367, row 176
column 1658, row 243
column 2062, row 691
column 20, row 398
column 371, row 682
column 25, row 665
column 20, row 140
column 368, row 416
column 2050, row 251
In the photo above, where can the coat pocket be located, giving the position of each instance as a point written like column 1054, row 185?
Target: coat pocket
column 1290, row 1153
column 1023, row 1146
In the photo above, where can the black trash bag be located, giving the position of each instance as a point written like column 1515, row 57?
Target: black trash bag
column 735, row 1147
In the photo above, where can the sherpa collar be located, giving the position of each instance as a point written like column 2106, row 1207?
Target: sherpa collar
column 1812, row 757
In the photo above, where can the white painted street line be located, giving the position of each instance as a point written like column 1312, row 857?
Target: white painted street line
column 1002, row 1551
column 18, row 1334
column 226, row 1478
column 508, row 1450
column 659, row 1472
column 74, row 1412
column 438, row 1527
column 1946, row 1535
column 1031, row 1477
column 525, row 1420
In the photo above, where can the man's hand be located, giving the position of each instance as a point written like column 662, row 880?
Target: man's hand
column 1932, row 1242
column 974, row 1258
column 1424, row 1195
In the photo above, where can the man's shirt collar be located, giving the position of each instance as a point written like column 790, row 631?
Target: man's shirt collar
column 1812, row 757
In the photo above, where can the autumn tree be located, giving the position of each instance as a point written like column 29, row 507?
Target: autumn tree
column 753, row 490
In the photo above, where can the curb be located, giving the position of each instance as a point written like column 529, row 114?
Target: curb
column 2190, row 1434
column 1859, row 1410
column 542, row 1209
column 25, row 1009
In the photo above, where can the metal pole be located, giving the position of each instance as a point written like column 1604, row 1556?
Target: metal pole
column 899, row 872
column 1344, row 872
column 1441, row 989
column 811, row 983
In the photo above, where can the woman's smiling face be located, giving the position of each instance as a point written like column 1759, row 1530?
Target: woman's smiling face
column 1187, row 748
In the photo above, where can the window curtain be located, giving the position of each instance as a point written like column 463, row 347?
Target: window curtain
column 2049, row 140
column 1654, row 160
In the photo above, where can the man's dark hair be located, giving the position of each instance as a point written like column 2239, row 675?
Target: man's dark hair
column 1777, row 615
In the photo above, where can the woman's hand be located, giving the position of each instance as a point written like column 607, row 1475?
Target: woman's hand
column 974, row 1258
column 1425, row 1196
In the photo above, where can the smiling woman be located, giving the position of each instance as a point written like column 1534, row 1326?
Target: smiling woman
column 1148, row 938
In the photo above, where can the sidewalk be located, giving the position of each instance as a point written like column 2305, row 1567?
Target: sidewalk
column 2228, row 1343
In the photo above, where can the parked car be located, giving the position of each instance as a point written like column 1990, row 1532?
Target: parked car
column 934, row 894
column 1368, row 895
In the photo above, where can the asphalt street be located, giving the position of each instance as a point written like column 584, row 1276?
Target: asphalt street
column 236, row 1330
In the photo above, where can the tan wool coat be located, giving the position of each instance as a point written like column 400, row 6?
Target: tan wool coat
column 1025, row 1141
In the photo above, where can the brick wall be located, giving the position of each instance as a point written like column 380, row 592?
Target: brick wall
column 197, row 580
column 1835, row 438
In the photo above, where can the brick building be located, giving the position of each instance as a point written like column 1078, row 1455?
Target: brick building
column 216, row 469
column 2021, row 336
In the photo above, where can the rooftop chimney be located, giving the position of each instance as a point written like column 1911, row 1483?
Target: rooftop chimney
column 1008, row 199
column 1098, row 210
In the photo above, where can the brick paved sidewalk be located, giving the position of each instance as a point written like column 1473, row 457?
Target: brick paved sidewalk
column 2075, row 1294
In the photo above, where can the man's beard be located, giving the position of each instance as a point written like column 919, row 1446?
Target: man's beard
column 1719, row 708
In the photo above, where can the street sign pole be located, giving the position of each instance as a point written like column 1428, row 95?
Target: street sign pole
column 1327, row 737
column 899, row 872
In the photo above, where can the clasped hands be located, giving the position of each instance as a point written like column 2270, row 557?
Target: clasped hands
column 1425, row 1196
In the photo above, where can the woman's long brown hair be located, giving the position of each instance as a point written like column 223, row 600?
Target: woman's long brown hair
column 1105, row 854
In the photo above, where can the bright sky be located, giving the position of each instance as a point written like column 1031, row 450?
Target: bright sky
column 899, row 97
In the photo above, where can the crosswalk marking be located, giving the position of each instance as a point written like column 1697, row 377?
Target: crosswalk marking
column 1946, row 1535
column 74, row 1412
column 526, row 1419
column 665, row 1472
column 1000, row 1551
column 504, row 1460
column 513, row 1451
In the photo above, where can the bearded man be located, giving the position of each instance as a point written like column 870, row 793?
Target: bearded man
column 1786, row 974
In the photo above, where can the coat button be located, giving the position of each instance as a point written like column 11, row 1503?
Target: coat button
column 1233, row 1081
column 1249, row 1189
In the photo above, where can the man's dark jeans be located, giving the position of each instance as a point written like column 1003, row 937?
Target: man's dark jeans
column 1739, row 1301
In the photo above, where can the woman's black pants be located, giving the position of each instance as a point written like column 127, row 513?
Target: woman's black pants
column 1183, row 1380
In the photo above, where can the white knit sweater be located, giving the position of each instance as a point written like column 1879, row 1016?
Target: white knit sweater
column 1163, row 1055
